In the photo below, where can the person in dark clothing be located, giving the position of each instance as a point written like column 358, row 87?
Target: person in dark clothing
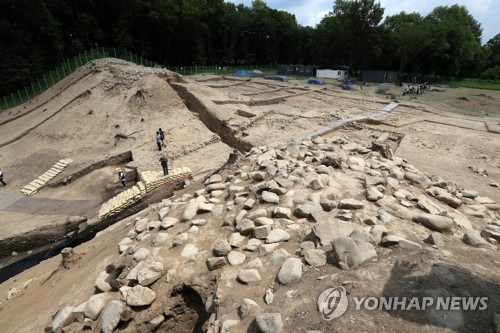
column 158, row 140
column 121, row 176
column 1, row 178
column 162, row 136
column 164, row 164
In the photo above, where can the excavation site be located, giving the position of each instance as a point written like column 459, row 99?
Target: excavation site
column 284, row 206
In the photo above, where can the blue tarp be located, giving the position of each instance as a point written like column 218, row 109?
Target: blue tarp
column 242, row 73
column 277, row 78
column 315, row 81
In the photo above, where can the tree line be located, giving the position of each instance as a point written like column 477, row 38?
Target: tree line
column 37, row 35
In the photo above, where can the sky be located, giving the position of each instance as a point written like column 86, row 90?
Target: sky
column 310, row 12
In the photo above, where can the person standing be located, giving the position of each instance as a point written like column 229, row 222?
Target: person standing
column 164, row 164
column 1, row 178
column 162, row 136
column 158, row 140
column 121, row 176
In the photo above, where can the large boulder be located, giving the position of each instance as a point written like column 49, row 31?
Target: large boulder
column 290, row 271
column 435, row 222
column 351, row 252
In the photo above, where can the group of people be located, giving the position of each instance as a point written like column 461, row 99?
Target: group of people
column 160, row 138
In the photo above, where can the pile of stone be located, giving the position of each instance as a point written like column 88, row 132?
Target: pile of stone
column 41, row 181
column 281, row 195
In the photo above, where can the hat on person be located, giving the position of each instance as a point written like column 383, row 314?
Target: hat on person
column 118, row 169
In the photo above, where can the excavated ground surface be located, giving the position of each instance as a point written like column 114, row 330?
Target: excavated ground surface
column 204, row 121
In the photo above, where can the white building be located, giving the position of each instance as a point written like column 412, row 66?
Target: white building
column 338, row 74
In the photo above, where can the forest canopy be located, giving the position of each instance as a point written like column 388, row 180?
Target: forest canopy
column 37, row 35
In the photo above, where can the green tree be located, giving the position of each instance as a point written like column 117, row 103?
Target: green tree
column 457, row 38
column 412, row 41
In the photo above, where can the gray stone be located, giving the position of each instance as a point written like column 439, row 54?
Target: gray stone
column 236, row 239
column 467, row 193
column 362, row 235
column 436, row 239
column 344, row 214
column 384, row 216
column 204, row 207
column 215, row 263
column 149, row 271
column 79, row 312
column 350, row 204
column 103, row 279
column 372, row 194
column 473, row 238
column 269, row 296
column 315, row 184
column 249, row 204
column 221, row 248
column 282, row 212
column 189, row 250
column 180, row 239
column 372, row 220
column 198, row 222
column 352, row 252
column 63, row 318
column 262, row 231
column 418, row 179
column 428, row 206
column 435, row 222
column 315, row 257
column 328, row 230
column 270, row 197
column 277, row 235
column 236, row 258
column 292, row 148
column 279, row 256
column 94, row 306
column 265, row 249
column 227, row 326
column 163, row 213
column 398, row 211
column 218, row 210
column 449, row 200
column 245, row 226
column 269, row 323
column 159, row 239
column 323, row 169
column 138, row 295
column 216, row 178
column 260, row 221
column 283, row 182
column 141, row 225
column 390, row 240
column 253, row 245
column 255, row 263
column 249, row 275
column 409, row 245
column 168, row 222
column 111, row 316
column 291, row 271
column 216, row 187
column 307, row 208
column 262, row 212
column 377, row 231
column 189, row 211
column 246, row 307
column 491, row 231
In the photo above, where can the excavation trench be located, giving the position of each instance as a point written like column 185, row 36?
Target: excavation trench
column 228, row 135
